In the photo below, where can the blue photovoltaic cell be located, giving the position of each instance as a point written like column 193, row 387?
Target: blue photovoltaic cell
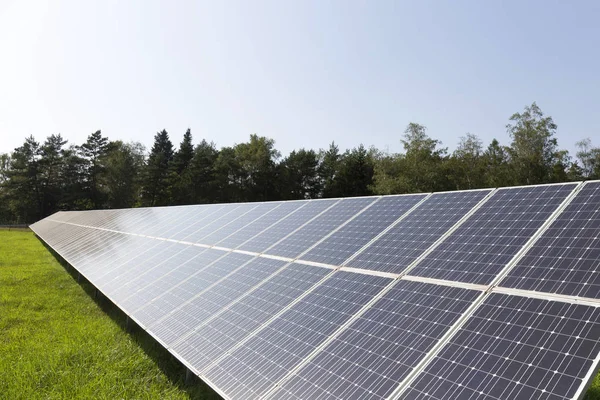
column 285, row 226
column 311, row 233
column 204, row 230
column 191, row 314
column 174, row 275
column 407, row 240
column 207, row 222
column 517, row 348
column 221, row 333
column 250, row 370
column 482, row 245
column 140, row 275
column 358, row 232
column 566, row 259
column 168, row 301
column 221, row 233
column 265, row 222
column 380, row 348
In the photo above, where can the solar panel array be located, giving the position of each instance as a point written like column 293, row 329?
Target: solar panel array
column 482, row 294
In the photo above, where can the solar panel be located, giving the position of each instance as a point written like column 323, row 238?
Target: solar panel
column 380, row 348
column 517, row 348
column 286, row 226
column 483, row 244
column 301, row 240
column 566, row 258
column 210, row 284
column 251, row 369
column 407, row 240
column 358, row 232
column 207, row 275
column 191, row 314
column 266, row 221
column 175, row 275
column 224, row 330
column 239, row 223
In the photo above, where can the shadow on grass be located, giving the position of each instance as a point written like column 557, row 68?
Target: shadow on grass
column 593, row 393
column 173, row 369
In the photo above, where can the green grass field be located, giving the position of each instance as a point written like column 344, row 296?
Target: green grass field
column 56, row 342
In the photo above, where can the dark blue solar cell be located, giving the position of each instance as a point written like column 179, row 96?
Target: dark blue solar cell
column 514, row 347
column 194, row 312
column 359, row 231
column 482, row 245
column 379, row 349
column 250, row 370
column 285, row 226
column 407, row 240
column 311, row 233
column 201, row 280
column 284, row 210
column 566, row 258
column 226, row 329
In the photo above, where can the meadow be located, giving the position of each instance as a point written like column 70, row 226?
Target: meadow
column 58, row 342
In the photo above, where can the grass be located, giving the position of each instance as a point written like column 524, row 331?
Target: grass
column 57, row 342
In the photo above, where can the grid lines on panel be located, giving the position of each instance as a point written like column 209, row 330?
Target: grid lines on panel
column 285, row 226
column 514, row 347
column 174, row 276
column 189, row 316
column 379, row 349
column 213, row 339
column 483, row 244
column 222, row 232
column 175, row 297
column 311, row 233
column 407, row 240
column 250, row 370
column 264, row 222
column 566, row 258
column 351, row 237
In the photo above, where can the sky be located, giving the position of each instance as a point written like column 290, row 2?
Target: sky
column 304, row 73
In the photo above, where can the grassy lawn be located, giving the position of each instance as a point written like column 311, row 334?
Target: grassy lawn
column 56, row 342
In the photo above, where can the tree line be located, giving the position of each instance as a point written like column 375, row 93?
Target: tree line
column 38, row 179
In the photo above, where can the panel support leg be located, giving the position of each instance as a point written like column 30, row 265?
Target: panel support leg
column 189, row 376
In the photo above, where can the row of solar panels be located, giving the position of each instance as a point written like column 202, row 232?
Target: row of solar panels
column 302, row 299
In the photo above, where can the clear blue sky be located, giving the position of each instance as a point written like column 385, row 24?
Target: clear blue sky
column 304, row 73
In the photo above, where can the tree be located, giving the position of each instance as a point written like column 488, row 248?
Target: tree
column 423, row 160
column 75, row 187
column 299, row 175
column 355, row 176
column 200, row 177
column 180, row 185
column 589, row 158
column 534, row 149
column 5, row 213
column 24, row 182
column 93, row 151
column 51, row 173
column 328, row 170
column 229, row 177
column 257, row 161
column 155, row 190
column 124, row 166
column 467, row 165
column 389, row 176
column 498, row 171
